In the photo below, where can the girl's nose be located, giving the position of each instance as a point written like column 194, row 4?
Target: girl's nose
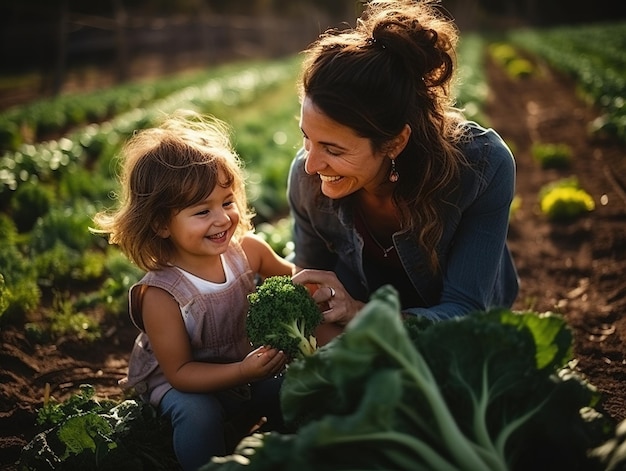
column 222, row 217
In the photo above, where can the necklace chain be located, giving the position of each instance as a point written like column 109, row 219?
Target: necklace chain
column 367, row 228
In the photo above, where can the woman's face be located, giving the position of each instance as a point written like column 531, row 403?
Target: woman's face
column 344, row 161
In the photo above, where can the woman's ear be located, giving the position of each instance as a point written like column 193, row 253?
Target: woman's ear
column 401, row 140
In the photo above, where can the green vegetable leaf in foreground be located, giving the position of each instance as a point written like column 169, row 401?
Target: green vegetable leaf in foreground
column 84, row 433
column 283, row 315
column 490, row 391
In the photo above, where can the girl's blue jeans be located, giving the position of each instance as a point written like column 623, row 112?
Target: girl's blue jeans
column 199, row 419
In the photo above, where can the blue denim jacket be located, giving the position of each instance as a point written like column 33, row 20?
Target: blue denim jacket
column 477, row 271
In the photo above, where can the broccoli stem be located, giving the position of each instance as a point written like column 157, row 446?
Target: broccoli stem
column 297, row 330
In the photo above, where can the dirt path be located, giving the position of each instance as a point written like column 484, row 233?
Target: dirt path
column 576, row 269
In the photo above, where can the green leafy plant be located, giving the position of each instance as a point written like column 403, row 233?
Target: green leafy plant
column 86, row 433
column 550, row 155
column 492, row 390
column 507, row 56
column 283, row 315
column 516, row 204
column 4, row 296
column 564, row 200
column 30, row 202
column 520, row 68
column 21, row 291
column 113, row 292
column 64, row 321
column 63, row 267
column 67, row 225
column 502, row 53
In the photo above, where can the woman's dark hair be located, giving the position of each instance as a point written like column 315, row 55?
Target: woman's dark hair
column 396, row 67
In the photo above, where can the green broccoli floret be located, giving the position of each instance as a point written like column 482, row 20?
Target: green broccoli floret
column 283, row 315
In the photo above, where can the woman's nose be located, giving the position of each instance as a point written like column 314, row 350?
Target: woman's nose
column 313, row 162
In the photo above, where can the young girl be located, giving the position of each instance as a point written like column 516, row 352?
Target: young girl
column 184, row 219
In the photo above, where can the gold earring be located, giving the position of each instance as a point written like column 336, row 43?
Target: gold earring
column 393, row 174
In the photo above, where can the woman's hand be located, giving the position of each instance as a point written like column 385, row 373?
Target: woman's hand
column 337, row 305
column 262, row 363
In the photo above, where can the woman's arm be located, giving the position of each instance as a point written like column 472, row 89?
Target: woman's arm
column 170, row 342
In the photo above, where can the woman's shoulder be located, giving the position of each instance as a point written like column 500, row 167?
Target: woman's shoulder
column 480, row 142
column 478, row 134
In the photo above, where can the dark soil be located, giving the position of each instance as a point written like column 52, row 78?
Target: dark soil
column 576, row 269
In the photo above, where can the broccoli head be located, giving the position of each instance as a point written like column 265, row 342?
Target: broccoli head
column 283, row 315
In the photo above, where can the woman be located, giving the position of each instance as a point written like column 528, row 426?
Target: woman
column 393, row 185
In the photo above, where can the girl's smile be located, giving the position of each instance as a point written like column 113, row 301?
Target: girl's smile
column 219, row 237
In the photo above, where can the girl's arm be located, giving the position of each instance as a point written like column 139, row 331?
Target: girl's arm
column 166, row 331
column 262, row 258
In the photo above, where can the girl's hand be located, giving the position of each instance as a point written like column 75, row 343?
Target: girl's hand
column 337, row 305
column 262, row 363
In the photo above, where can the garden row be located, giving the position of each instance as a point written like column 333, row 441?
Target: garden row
column 595, row 56
column 50, row 189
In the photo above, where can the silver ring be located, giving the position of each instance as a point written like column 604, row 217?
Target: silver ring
column 332, row 291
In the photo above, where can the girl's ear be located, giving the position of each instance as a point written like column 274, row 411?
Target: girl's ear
column 162, row 232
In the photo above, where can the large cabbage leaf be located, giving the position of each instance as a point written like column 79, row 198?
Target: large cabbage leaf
column 490, row 391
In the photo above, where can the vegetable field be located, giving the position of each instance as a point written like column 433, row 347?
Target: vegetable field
column 556, row 96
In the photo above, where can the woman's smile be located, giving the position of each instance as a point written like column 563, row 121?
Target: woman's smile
column 329, row 178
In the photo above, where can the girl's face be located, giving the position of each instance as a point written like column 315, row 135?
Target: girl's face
column 202, row 232
column 344, row 161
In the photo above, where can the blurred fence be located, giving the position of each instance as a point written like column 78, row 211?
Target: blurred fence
column 214, row 38
column 122, row 47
